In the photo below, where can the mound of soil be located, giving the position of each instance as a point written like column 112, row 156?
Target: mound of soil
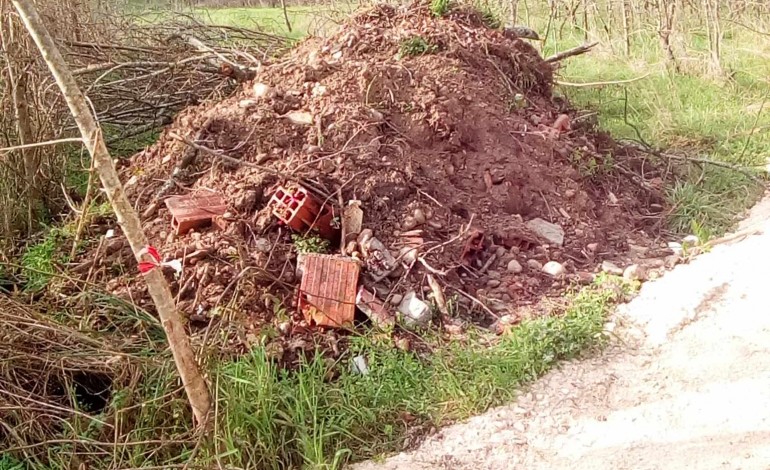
column 442, row 127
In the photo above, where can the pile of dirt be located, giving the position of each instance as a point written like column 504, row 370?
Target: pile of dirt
column 442, row 127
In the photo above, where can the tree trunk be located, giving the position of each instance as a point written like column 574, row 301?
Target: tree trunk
column 666, row 23
column 193, row 382
column 626, row 26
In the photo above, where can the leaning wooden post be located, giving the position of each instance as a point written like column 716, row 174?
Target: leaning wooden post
column 193, row 382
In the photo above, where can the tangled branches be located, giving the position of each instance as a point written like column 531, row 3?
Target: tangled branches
column 137, row 75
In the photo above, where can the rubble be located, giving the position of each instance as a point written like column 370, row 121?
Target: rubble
column 455, row 183
column 194, row 211
column 611, row 268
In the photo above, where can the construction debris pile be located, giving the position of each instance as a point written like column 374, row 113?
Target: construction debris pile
column 409, row 172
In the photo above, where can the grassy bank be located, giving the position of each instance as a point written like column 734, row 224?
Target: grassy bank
column 321, row 415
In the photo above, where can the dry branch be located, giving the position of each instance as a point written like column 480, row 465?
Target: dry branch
column 195, row 386
column 582, row 49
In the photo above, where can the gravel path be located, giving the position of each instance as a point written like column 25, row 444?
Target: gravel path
column 685, row 386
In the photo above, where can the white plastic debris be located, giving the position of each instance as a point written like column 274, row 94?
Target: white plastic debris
column 110, row 233
column 415, row 313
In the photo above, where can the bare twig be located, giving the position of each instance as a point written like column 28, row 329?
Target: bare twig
column 582, row 49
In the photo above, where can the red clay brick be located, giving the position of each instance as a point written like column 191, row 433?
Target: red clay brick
column 194, row 211
column 328, row 289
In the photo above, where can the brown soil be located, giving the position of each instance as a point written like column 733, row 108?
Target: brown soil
column 439, row 132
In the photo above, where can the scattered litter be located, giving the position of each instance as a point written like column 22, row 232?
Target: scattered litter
column 194, row 211
column 110, row 233
column 380, row 263
column 327, row 295
column 374, row 309
column 359, row 365
column 301, row 211
column 551, row 232
column 415, row 312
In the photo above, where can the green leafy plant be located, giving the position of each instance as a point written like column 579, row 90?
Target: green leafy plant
column 440, row 7
column 416, row 45
column 310, row 244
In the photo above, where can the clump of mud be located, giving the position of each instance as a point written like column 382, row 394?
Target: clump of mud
column 442, row 127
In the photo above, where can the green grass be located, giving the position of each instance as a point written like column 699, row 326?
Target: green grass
column 39, row 260
column 689, row 113
column 303, row 19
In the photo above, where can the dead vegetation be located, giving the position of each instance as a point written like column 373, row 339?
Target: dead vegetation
column 137, row 75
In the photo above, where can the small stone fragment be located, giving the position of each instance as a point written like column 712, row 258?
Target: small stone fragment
column 585, row 278
column 501, row 251
column 535, row 265
column 554, row 269
column 419, row 216
column 492, row 283
column 396, row 299
column 514, row 267
column 592, row 247
column 409, row 223
column 611, row 268
column 551, row 232
column 635, row 273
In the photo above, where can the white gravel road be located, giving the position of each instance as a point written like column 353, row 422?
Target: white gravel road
column 685, row 386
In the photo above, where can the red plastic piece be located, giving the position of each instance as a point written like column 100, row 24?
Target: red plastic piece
column 327, row 293
column 303, row 212
column 194, row 211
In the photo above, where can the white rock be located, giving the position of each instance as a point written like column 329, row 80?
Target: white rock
column 551, row 232
column 635, row 273
column 554, row 269
column 262, row 91
column 515, row 267
column 611, row 268
column 592, row 247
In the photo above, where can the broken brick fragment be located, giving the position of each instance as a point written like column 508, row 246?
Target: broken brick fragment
column 301, row 211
